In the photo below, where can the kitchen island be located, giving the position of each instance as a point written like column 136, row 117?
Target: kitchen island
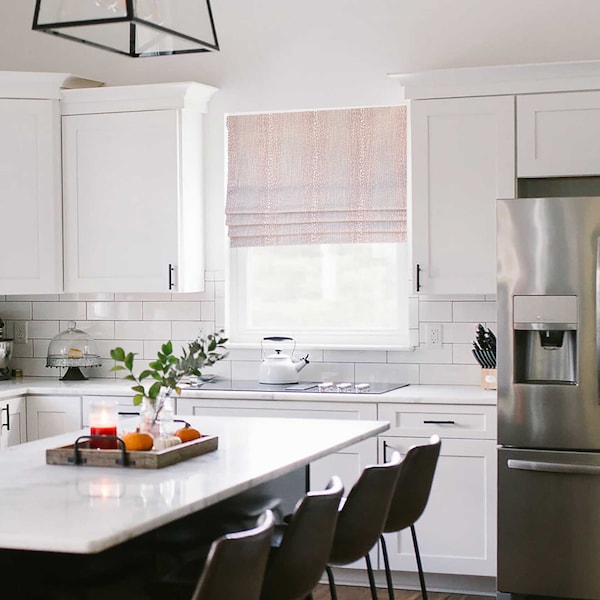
column 55, row 515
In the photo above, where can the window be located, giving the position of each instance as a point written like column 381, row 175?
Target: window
column 316, row 214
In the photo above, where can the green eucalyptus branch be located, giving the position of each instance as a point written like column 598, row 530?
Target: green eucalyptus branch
column 167, row 370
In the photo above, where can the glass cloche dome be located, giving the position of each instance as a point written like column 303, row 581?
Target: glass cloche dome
column 73, row 348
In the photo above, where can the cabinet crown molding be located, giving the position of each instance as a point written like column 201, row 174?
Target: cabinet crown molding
column 47, row 86
column 501, row 79
column 127, row 98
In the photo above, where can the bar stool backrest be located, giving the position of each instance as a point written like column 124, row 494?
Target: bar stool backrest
column 364, row 512
column 236, row 563
column 296, row 566
column 413, row 486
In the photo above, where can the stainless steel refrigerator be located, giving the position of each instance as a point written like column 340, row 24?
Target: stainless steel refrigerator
column 548, row 397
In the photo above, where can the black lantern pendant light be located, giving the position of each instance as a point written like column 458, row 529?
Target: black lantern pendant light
column 131, row 27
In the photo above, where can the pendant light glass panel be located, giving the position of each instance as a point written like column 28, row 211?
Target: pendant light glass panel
column 133, row 27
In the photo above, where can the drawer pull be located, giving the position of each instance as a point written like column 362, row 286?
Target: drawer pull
column 432, row 422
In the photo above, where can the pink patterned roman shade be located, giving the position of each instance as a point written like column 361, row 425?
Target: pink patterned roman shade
column 324, row 176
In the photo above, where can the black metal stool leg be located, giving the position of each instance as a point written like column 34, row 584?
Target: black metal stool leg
column 332, row 591
column 388, row 572
column 371, row 577
column 419, row 565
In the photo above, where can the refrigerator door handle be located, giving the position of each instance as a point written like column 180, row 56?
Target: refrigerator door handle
column 548, row 467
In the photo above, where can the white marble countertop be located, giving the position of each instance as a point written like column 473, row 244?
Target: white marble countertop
column 88, row 509
column 423, row 394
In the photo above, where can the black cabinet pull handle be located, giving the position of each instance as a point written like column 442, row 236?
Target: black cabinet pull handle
column 171, row 269
column 440, row 422
column 418, row 277
column 7, row 424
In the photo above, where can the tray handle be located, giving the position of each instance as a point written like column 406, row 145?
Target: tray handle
column 78, row 459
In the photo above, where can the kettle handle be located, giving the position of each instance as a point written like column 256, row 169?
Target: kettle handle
column 276, row 338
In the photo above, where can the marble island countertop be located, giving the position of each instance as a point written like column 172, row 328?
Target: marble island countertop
column 88, row 509
column 417, row 394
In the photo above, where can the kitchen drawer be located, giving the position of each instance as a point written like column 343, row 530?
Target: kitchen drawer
column 277, row 408
column 448, row 421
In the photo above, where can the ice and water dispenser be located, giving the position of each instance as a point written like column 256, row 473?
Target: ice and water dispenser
column 545, row 339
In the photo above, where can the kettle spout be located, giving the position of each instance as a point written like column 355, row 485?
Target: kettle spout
column 300, row 364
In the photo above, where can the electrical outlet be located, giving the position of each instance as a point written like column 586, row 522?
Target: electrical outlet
column 434, row 334
column 20, row 332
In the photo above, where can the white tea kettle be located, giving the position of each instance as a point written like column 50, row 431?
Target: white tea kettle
column 279, row 367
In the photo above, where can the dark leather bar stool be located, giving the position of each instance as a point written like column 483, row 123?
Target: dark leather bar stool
column 234, row 568
column 299, row 556
column 361, row 519
column 409, row 501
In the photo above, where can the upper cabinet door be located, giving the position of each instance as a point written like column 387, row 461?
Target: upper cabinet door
column 133, row 201
column 558, row 134
column 30, row 197
column 463, row 159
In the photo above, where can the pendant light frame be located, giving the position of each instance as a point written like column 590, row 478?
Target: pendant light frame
column 61, row 28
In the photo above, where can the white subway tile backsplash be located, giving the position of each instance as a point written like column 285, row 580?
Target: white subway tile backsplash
column 388, row 373
column 423, row 354
column 32, row 298
column 43, row 329
column 450, row 375
column 171, row 311
column 23, row 350
column 207, row 294
column 40, row 348
column 117, row 311
column 328, row 371
column 35, row 367
column 143, row 297
column 98, row 330
column 105, row 346
column 71, row 311
column 143, row 322
column 88, row 297
column 355, row 356
column 462, row 354
column 435, row 311
column 207, row 311
column 189, row 330
column 459, row 333
column 473, row 311
column 143, row 330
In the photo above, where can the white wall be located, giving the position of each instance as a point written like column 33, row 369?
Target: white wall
column 281, row 55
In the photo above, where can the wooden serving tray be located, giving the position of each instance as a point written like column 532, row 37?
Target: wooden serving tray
column 80, row 454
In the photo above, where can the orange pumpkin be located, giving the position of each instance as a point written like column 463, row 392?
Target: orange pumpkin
column 187, row 433
column 138, row 441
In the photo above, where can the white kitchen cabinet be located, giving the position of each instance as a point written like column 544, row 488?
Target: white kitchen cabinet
column 457, row 531
column 13, row 425
column 462, row 160
column 30, row 196
column 132, row 188
column 52, row 415
column 558, row 134
column 30, row 180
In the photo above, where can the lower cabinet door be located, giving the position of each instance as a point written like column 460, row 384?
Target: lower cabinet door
column 52, row 415
column 457, row 531
column 13, row 428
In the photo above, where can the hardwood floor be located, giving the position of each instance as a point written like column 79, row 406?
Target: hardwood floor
column 363, row 593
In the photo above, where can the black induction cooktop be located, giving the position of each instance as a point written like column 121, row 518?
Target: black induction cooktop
column 236, row 385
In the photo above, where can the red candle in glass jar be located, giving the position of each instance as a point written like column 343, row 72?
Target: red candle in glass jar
column 103, row 423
